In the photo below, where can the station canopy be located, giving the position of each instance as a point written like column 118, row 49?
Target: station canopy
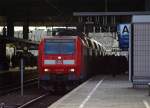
column 54, row 11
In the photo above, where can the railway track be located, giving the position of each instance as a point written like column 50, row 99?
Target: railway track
column 33, row 101
column 42, row 101
column 14, row 87
column 45, row 100
column 33, row 98
column 3, row 105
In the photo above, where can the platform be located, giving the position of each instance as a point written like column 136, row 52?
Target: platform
column 105, row 92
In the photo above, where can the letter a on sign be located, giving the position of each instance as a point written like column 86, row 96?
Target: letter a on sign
column 125, row 30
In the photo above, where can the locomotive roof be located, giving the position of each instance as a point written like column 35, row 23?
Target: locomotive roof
column 60, row 37
column 67, row 32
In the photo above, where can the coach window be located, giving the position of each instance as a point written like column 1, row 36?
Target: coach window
column 90, row 44
column 95, row 45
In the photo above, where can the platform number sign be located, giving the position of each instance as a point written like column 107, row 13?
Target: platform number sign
column 124, row 31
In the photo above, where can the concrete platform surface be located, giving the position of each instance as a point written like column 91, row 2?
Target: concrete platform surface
column 105, row 92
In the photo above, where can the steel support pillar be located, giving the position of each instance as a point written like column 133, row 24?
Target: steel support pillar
column 10, row 27
column 3, row 61
column 26, row 31
column 147, row 5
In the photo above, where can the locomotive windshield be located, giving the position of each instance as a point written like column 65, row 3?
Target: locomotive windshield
column 59, row 46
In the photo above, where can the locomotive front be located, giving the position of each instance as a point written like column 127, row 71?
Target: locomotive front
column 58, row 59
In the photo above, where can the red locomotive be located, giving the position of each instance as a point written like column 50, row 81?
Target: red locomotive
column 66, row 58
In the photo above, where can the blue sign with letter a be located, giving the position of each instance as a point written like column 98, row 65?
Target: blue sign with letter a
column 124, row 31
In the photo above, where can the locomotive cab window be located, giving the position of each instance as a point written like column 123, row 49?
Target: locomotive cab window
column 59, row 47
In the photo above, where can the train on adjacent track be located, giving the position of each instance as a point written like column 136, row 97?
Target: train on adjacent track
column 65, row 58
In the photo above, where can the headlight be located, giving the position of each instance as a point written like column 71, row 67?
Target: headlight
column 46, row 70
column 59, row 57
column 72, row 70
